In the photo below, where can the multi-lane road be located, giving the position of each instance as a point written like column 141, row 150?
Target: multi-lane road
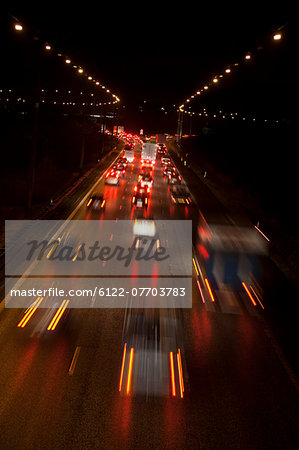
column 60, row 388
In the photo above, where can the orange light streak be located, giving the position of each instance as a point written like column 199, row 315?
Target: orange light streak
column 30, row 313
column 122, row 367
column 195, row 267
column 179, row 359
column 209, row 289
column 58, row 315
column 248, row 292
column 76, row 254
column 172, row 374
column 257, row 297
column 130, row 370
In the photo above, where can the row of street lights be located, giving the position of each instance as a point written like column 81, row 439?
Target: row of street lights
column 78, row 68
column 277, row 36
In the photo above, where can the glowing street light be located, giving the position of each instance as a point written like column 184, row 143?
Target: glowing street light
column 277, row 36
column 18, row 27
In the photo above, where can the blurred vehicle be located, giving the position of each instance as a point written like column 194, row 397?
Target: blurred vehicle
column 162, row 152
column 96, row 202
column 161, row 139
column 144, row 227
column 112, row 177
column 146, row 180
column 174, row 178
column 168, row 170
column 120, row 169
column 129, row 153
column 122, row 160
column 140, row 197
column 229, row 257
column 181, row 195
column 152, row 359
column 165, row 160
column 149, row 152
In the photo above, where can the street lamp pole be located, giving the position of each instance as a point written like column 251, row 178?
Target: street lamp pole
column 34, row 142
column 180, row 126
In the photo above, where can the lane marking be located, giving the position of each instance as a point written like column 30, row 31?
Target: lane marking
column 74, row 360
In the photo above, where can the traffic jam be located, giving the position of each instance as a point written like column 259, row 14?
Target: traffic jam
column 143, row 184
column 143, row 160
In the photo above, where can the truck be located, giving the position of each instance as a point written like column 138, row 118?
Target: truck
column 230, row 256
column 161, row 138
column 149, row 151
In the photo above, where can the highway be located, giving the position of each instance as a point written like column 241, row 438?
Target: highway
column 61, row 388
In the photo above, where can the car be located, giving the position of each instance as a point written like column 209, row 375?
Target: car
column 147, row 166
column 147, row 162
column 152, row 362
column 165, row 160
column 96, row 202
column 123, row 160
column 168, row 170
column 112, row 177
column 119, row 168
column 174, row 178
column 146, row 180
column 140, row 197
column 129, row 146
column 144, row 227
column 180, row 195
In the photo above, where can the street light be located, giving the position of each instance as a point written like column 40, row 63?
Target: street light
column 18, row 27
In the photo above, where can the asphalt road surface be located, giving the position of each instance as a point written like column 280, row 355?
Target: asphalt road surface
column 60, row 389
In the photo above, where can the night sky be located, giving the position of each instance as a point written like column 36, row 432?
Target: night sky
column 162, row 54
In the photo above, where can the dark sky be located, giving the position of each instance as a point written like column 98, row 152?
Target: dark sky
column 155, row 51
